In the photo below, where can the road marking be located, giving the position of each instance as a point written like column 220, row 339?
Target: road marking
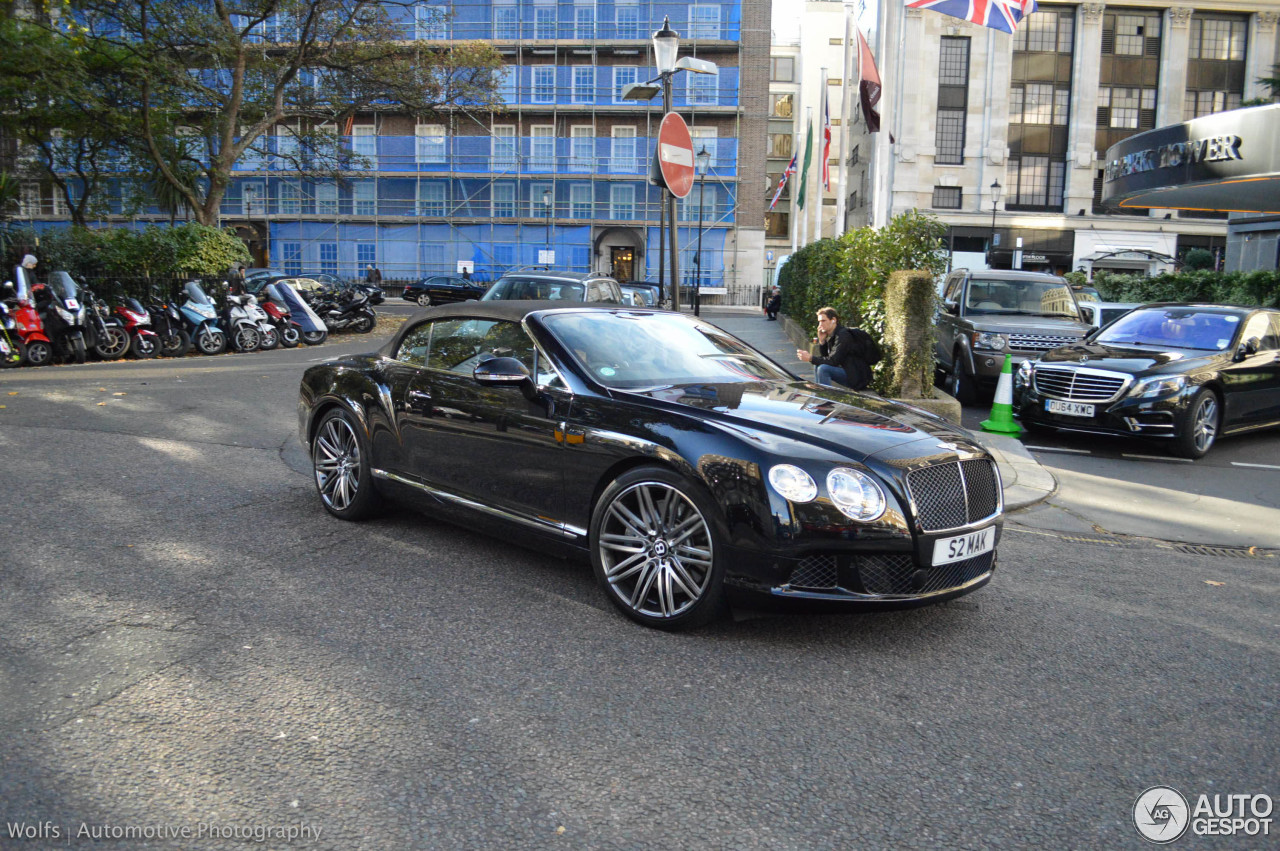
column 1160, row 458
column 1057, row 449
column 1259, row 466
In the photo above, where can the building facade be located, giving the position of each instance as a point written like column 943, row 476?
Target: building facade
column 1035, row 113
column 559, row 176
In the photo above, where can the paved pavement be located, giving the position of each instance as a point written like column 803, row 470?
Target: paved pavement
column 1026, row 481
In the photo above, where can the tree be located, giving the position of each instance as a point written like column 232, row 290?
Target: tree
column 1273, row 82
column 231, row 78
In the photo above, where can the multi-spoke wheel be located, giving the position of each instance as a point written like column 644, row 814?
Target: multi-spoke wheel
column 424, row 299
column 653, row 546
column 342, row 467
column 1198, row 427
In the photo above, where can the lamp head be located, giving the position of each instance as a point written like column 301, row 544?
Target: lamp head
column 546, row 198
column 666, row 42
column 703, row 158
column 995, row 192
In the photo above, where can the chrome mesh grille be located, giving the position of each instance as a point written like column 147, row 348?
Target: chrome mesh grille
column 954, row 494
column 1039, row 343
column 1075, row 386
column 898, row 574
column 815, row 572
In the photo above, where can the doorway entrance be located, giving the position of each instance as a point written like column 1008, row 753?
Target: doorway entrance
column 622, row 263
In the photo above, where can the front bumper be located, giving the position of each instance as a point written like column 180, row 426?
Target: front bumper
column 1159, row 417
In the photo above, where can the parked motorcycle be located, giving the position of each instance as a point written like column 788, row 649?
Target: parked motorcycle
column 166, row 318
column 310, row 326
column 272, row 305
column 345, row 311
column 64, row 316
column 110, row 339
column 200, row 317
column 241, row 326
column 27, row 322
column 143, row 342
column 12, row 350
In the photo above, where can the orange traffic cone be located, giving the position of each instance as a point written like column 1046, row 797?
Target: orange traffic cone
column 1001, row 420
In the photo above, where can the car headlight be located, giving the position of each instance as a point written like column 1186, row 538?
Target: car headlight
column 987, row 340
column 1159, row 385
column 1022, row 377
column 856, row 494
column 793, row 483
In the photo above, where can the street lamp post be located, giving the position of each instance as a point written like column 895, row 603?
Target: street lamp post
column 547, row 203
column 995, row 201
column 702, row 163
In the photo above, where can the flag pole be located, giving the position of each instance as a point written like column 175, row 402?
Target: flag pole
column 846, row 123
column 791, row 201
column 804, row 175
column 820, row 139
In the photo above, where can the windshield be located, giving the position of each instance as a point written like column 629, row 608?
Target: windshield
column 1176, row 328
column 1020, row 298
column 132, row 304
column 645, row 350
column 195, row 294
column 64, row 285
column 539, row 289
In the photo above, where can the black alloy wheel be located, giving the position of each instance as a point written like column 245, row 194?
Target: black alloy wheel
column 289, row 337
column 959, row 382
column 211, row 342
column 39, row 353
column 315, row 338
column 1198, row 426
column 341, row 464
column 654, row 549
column 176, row 343
column 363, row 324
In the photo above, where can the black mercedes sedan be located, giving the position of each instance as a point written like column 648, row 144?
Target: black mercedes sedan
column 1184, row 374
column 692, row 471
column 443, row 289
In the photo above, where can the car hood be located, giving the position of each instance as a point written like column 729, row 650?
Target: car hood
column 854, row 425
column 1129, row 359
column 1030, row 325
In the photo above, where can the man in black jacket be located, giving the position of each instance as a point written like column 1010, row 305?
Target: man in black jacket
column 842, row 353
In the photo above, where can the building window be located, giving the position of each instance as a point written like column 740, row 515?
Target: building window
column 627, row 21
column 430, row 21
column 544, row 84
column 782, row 69
column 702, row 89
column 1206, row 103
column 584, row 83
column 624, row 151
column 431, row 198
column 780, row 145
column 1215, row 70
column 953, row 100
column 705, row 137
column 1039, row 103
column 506, row 84
column 538, row 199
column 326, row 198
column 584, row 21
column 542, row 151
column 291, row 254
column 505, row 22
column 946, row 197
column 1217, row 38
column 504, row 200
column 364, row 141
column 504, row 148
column 290, row 198
column 622, row 202
column 582, row 144
column 329, row 258
column 580, row 201
column 366, row 254
column 251, row 196
column 544, row 21
column 1046, row 32
column 704, row 22
column 623, row 76
column 1035, row 182
column 431, row 147
column 1127, row 108
column 364, row 195
column 783, row 105
column 504, row 256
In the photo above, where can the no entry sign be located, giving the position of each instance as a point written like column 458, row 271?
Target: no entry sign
column 675, row 155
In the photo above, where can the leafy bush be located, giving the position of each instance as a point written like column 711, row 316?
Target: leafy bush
column 1257, row 288
column 849, row 273
column 155, row 252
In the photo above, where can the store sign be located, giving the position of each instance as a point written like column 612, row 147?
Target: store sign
column 1034, row 258
column 1193, row 152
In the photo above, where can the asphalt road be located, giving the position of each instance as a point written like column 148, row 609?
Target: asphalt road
column 186, row 638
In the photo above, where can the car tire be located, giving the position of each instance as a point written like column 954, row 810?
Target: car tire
column 424, row 299
column 1198, row 426
column 670, row 574
column 960, row 382
column 340, row 464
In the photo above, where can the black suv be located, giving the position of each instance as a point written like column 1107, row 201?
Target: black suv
column 989, row 313
column 555, row 286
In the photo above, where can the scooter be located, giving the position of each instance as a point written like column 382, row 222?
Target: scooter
column 201, row 319
column 12, row 350
column 243, row 328
column 27, row 322
column 272, row 305
column 346, row 311
column 167, row 320
column 64, row 316
column 310, row 327
column 110, row 339
column 143, row 342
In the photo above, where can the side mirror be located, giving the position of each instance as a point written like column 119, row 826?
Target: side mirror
column 505, row 372
column 1247, row 348
column 952, row 307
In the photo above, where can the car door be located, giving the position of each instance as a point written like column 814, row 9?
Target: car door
column 1253, row 383
column 947, row 321
column 488, row 444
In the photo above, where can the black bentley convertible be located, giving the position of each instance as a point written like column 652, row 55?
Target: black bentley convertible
column 691, row 469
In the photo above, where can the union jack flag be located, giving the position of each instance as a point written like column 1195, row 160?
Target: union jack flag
column 1002, row 15
column 782, row 182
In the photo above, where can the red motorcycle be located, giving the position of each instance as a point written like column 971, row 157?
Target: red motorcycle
column 26, row 321
column 145, row 343
column 274, row 306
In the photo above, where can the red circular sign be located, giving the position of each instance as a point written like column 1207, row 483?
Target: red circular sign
column 675, row 154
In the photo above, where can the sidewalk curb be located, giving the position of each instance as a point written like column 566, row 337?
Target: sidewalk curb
column 1026, row 481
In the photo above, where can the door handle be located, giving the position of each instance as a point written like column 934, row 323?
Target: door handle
column 418, row 401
